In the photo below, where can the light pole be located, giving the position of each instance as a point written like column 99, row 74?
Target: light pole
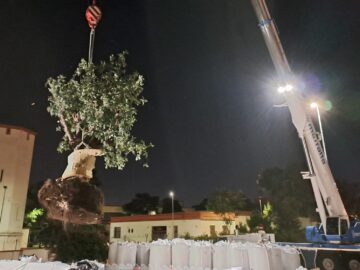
column 171, row 194
column 315, row 106
column 260, row 204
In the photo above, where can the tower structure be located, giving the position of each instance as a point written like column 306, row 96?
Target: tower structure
column 16, row 151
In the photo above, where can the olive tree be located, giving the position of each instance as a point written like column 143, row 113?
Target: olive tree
column 97, row 108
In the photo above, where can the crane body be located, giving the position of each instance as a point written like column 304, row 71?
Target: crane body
column 335, row 223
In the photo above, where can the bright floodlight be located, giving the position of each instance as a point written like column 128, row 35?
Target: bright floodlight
column 313, row 105
column 281, row 89
column 171, row 194
column 289, row 87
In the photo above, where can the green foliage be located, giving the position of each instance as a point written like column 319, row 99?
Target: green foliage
column 267, row 210
column 351, row 197
column 242, row 228
column 201, row 206
column 78, row 245
column 291, row 197
column 225, row 201
column 203, row 237
column 98, row 106
column 167, row 206
column 34, row 215
column 257, row 219
column 143, row 203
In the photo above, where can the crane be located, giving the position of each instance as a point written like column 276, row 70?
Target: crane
column 335, row 223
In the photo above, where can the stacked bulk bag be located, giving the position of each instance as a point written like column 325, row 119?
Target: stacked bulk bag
column 290, row 258
column 180, row 249
column 220, row 255
column 274, row 254
column 237, row 256
column 258, row 257
column 126, row 255
column 112, row 253
column 12, row 265
column 143, row 255
column 160, row 255
column 200, row 255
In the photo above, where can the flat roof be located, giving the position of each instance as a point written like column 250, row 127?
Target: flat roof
column 201, row 215
column 18, row 128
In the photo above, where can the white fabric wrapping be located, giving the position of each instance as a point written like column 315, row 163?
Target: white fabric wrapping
column 200, row 255
column 46, row 266
column 21, row 265
column 12, row 265
column 180, row 249
column 258, row 257
column 274, row 253
column 126, row 254
column 290, row 258
column 160, row 255
column 112, row 253
column 220, row 255
column 238, row 256
column 143, row 254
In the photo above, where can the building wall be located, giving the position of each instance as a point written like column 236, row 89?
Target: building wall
column 141, row 231
column 16, row 153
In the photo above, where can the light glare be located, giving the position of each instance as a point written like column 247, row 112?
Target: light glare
column 313, row 105
column 289, row 87
column 171, row 194
column 281, row 89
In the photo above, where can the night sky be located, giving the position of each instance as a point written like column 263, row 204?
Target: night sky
column 209, row 81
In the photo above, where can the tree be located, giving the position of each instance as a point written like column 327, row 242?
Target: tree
column 201, row 206
column 291, row 197
column 143, row 203
column 167, row 206
column 97, row 108
column 350, row 198
column 81, row 242
column 225, row 201
column 256, row 219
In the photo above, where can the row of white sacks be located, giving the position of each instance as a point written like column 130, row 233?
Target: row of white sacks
column 32, row 263
column 24, row 265
column 180, row 254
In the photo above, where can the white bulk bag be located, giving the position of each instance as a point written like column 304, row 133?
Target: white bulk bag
column 126, row 254
column 220, row 255
column 112, row 253
column 180, row 253
column 238, row 256
column 274, row 253
column 258, row 257
column 160, row 255
column 46, row 266
column 290, row 258
column 200, row 255
column 12, row 265
column 143, row 254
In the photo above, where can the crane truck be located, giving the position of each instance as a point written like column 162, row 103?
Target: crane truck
column 334, row 242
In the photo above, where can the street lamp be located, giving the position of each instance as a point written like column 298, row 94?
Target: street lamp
column 315, row 106
column 260, row 204
column 171, row 194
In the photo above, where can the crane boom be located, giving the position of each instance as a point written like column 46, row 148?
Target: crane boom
column 328, row 200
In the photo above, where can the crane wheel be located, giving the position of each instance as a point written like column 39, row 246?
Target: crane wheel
column 354, row 264
column 328, row 264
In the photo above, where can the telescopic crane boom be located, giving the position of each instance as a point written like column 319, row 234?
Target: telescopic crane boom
column 333, row 215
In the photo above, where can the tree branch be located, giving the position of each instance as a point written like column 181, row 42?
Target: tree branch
column 65, row 128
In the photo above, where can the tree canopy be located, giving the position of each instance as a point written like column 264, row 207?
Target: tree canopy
column 225, row 201
column 167, row 206
column 291, row 198
column 97, row 106
column 143, row 203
